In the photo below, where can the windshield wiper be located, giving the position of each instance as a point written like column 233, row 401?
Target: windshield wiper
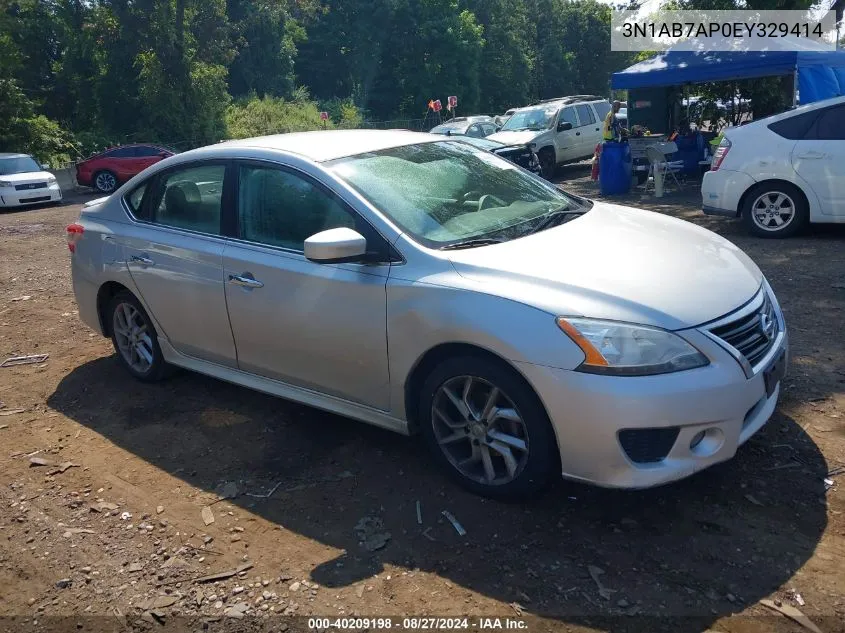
column 480, row 241
column 555, row 218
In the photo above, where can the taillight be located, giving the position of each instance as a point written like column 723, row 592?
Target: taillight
column 721, row 152
column 74, row 234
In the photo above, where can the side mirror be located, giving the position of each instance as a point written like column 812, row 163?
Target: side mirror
column 498, row 128
column 166, row 154
column 45, row 166
column 336, row 246
column 563, row 126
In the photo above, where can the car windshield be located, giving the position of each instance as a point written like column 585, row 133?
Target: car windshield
column 446, row 192
column 18, row 165
column 539, row 118
column 450, row 128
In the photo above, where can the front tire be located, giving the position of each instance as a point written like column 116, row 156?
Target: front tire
column 548, row 163
column 105, row 181
column 487, row 429
column 134, row 338
column 775, row 210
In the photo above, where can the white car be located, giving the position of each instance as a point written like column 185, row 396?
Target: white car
column 558, row 130
column 781, row 172
column 24, row 182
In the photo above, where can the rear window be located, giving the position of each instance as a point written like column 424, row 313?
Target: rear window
column 602, row 108
column 796, row 127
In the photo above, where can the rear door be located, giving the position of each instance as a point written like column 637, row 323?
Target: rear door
column 819, row 156
column 567, row 142
column 589, row 128
column 174, row 252
column 146, row 155
column 318, row 326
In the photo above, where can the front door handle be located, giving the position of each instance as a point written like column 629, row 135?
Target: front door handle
column 142, row 259
column 246, row 282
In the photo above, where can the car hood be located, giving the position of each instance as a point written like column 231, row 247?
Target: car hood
column 621, row 264
column 516, row 137
column 32, row 176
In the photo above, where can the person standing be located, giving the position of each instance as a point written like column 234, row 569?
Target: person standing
column 611, row 129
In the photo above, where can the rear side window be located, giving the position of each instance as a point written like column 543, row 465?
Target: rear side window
column 147, row 150
column 585, row 113
column 134, row 200
column 794, row 128
column 602, row 108
column 830, row 125
column 121, row 152
column 190, row 198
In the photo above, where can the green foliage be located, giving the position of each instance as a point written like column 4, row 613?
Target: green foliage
column 259, row 116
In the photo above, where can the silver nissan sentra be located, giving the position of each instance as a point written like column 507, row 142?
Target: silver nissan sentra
column 427, row 286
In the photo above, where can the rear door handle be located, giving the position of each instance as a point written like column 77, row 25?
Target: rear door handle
column 812, row 155
column 246, row 282
column 577, row 133
column 142, row 259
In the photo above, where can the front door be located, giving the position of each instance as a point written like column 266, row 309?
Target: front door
column 568, row 143
column 175, row 257
column 819, row 157
column 318, row 326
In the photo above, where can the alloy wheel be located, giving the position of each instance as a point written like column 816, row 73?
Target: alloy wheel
column 131, row 331
column 479, row 430
column 773, row 211
column 105, row 182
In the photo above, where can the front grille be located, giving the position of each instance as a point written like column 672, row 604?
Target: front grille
column 38, row 199
column 753, row 334
column 31, row 185
column 648, row 446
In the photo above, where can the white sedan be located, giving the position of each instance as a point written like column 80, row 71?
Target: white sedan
column 781, row 172
column 24, row 182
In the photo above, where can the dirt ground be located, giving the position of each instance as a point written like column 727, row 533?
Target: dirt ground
column 119, row 537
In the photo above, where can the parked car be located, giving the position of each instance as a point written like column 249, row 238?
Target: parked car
column 559, row 130
column 106, row 171
column 474, row 126
column 24, row 182
column 781, row 172
column 522, row 155
column 428, row 287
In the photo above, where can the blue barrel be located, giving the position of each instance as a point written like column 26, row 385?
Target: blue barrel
column 615, row 168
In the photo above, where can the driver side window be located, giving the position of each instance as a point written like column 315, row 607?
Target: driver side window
column 280, row 208
column 568, row 115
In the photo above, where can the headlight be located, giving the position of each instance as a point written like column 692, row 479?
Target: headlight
column 5, row 183
column 623, row 349
column 51, row 180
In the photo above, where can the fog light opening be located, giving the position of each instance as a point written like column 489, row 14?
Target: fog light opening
column 707, row 442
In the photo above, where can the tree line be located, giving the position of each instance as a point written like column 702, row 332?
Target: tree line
column 79, row 74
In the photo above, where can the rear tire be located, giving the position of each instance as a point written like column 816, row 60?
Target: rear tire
column 775, row 210
column 105, row 181
column 498, row 444
column 134, row 338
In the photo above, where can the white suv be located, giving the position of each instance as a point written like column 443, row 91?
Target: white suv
column 559, row 130
column 781, row 172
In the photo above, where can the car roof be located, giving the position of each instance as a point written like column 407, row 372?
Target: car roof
column 13, row 155
column 324, row 145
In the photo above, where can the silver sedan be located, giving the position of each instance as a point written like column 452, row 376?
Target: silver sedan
column 429, row 287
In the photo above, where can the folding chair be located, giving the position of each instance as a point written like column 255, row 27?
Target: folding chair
column 659, row 165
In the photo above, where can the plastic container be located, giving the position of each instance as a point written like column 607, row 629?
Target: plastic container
column 615, row 169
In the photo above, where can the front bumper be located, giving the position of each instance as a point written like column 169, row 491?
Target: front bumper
column 590, row 414
column 9, row 197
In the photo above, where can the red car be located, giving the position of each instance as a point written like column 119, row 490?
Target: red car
column 106, row 171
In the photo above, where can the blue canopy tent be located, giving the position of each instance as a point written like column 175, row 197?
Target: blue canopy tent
column 820, row 71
